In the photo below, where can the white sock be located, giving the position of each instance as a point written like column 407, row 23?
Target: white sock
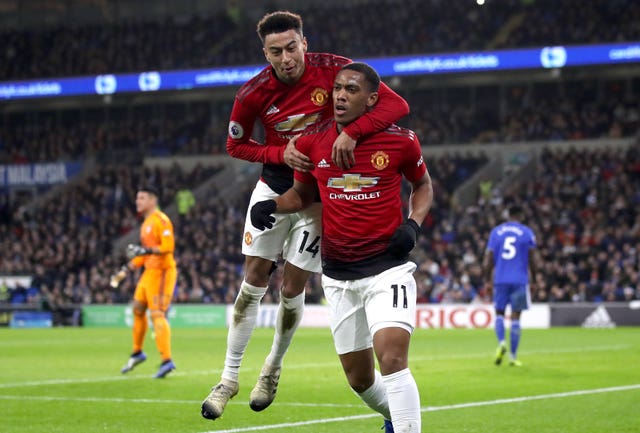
column 376, row 396
column 245, row 312
column 404, row 401
column 287, row 320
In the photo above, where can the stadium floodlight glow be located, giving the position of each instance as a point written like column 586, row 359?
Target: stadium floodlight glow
column 442, row 63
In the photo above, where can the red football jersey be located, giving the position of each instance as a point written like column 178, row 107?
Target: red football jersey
column 288, row 110
column 361, row 207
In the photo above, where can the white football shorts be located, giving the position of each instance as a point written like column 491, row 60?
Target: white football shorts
column 359, row 308
column 296, row 236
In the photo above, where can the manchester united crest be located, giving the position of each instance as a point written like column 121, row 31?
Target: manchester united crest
column 248, row 239
column 380, row 160
column 319, row 96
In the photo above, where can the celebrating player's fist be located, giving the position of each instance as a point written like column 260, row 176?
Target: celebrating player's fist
column 261, row 217
column 134, row 250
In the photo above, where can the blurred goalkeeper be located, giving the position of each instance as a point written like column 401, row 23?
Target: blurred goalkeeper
column 157, row 283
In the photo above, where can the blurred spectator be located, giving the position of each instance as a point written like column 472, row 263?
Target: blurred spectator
column 585, row 209
column 213, row 40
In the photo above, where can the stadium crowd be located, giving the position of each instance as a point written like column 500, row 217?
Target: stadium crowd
column 213, row 40
column 66, row 242
column 526, row 112
column 584, row 206
column 152, row 130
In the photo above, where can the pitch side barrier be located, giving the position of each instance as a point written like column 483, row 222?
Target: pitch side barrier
column 554, row 57
column 482, row 316
column 429, row 316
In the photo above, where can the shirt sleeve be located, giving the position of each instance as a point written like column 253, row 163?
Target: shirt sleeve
column 164, row 230
column 390, row 108
column 303, row 145
column 239, row 142
column 413, row 166
column 137, row 262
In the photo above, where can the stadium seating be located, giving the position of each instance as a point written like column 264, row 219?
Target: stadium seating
column 223, row 39
column 589, row 243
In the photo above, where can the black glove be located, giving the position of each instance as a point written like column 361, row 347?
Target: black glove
column 404, row 239
column 261, row 217
column 136, row 250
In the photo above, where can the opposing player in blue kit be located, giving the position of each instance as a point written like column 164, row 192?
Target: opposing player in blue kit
column 510, row 259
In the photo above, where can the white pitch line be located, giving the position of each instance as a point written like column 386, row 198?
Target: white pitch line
column 336, row 419
column 306, row 366
column 433, row 409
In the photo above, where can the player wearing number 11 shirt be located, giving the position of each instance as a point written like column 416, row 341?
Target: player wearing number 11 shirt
column 291, row 96
column 367, row 277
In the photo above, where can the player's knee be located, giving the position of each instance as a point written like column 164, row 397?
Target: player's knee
column 292, row 290
column 158, row 318
column 294, row 280
column 359, row 381
column 258, row 271
column 157, row 315
column 139, row 310
column 391, row 362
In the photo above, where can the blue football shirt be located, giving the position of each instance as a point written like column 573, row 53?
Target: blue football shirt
column 510, row 243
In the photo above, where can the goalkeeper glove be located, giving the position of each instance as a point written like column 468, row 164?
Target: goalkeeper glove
column 116, row 278
column 137, row 250
column 261, row 217
column 404, row 239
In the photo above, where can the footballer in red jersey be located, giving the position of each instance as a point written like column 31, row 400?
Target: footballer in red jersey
column 367, row 277
column 287, row 110
column 361, row 206
column 291, row 96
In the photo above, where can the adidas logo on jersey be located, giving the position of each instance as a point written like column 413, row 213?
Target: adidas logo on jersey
column 273, row 109
column 323, row 164
column 599, row 318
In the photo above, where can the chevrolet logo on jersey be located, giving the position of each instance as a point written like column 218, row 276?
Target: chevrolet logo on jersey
column 297, row 122
column 352, row 182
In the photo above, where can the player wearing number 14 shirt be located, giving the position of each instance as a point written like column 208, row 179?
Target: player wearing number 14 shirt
column 291, row 96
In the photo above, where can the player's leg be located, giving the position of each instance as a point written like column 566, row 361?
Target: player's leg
column 500, row 301
column 245, row 313
column 160, row 300
column 519, row 301
column 365, row 380
column 353, row 344
column 391, row 312
column 139, row 328
column 514, row 338
column 288, row 318
column 302, row 257
column 261, row 250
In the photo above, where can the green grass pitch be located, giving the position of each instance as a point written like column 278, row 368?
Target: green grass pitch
column 68, row 380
